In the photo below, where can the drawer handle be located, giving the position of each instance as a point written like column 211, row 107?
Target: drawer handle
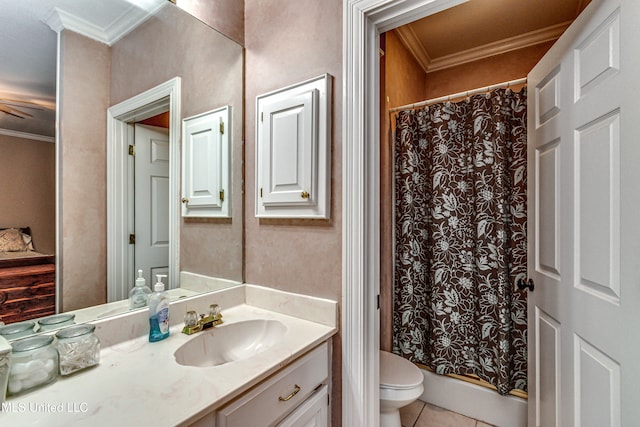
column 284, row 399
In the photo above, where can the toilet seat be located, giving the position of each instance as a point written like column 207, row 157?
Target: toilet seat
column 397, row 373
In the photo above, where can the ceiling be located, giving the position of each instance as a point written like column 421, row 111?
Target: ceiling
column 481, row 28
column 28, row 46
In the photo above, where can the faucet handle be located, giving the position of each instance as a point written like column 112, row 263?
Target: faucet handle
column 191, row 324
column 214, row 310
column 191, row 318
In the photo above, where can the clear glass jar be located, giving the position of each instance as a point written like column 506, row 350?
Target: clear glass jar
column 56, row 321
column 34, row 362
column 17, row 330
column 78, row 348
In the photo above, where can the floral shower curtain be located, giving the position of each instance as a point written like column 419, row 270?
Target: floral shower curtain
column 460, row 237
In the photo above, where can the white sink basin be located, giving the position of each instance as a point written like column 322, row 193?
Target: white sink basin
column 229, row 343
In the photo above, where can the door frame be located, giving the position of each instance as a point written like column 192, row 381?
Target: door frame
column 120, row 117
column 363, row 21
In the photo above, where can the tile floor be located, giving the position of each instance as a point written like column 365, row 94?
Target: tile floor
column 421, row 414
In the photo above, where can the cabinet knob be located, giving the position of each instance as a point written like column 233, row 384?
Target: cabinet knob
column 185, row 200
column 304, row 195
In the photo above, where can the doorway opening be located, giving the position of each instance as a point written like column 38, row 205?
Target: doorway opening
column 120, row 192
column 361, row 195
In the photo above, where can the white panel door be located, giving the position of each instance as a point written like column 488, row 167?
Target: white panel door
column 151, row 201
column 289, row 150
column 584, row 239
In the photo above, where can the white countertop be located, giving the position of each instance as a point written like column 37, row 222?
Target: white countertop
column 140, row 383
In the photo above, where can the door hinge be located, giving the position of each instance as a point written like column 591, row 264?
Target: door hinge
column 260, row 192
column 132, row 150
column 262, row 116
column 221, row 127
column 132, row 239
column 378, row 301
column 222, row 195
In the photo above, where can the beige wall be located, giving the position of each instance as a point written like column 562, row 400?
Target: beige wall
column 285, row 44
column 95, row 77
column 83, row 195
column 27, row 186
column 226, row 16
column 210, row 66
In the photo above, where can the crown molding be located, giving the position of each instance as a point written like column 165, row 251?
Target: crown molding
column 26, row 135
column 59, row 20
column 411, row 42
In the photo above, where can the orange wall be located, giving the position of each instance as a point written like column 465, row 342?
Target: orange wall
column 495, row 69
column 27, row 189
column 161, row 120
column 403, row 74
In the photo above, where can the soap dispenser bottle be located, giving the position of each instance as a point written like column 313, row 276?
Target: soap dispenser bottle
column 139, row 294
column 158, row 312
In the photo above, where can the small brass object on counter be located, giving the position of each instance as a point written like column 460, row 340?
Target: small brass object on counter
column 192, row 324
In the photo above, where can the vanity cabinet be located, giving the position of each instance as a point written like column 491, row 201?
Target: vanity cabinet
column 297, row 395
column 313, row 412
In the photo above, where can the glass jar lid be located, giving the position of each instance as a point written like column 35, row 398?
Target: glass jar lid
column 16, row 328
column 31, row 343
column 75, row 331
column 57, row 319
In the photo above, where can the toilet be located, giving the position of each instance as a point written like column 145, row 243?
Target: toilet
column 400, row 385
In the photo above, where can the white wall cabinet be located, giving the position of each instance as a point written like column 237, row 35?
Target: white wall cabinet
column 206, row 170
column 293, row 151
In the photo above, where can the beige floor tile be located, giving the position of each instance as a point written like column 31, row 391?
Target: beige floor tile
column 433, row 416
column 481, row 424
column 409, row 414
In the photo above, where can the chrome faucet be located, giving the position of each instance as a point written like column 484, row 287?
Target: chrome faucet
column 193, row 324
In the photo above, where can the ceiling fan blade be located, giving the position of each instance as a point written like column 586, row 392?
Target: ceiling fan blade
column 20, row 104
column 13, row 112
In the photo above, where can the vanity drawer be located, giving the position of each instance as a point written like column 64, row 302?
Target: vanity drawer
column 270, row 401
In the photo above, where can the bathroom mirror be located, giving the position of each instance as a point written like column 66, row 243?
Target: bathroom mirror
column 102, row 67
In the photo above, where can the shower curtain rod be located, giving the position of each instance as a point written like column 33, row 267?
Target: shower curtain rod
column 459, row 95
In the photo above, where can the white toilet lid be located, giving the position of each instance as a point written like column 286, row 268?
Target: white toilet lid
column 398, row 373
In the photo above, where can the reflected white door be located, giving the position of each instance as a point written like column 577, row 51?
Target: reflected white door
column 584, row 236
column 151, row 202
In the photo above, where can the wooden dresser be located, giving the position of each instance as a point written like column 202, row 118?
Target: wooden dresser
column 27, row 291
